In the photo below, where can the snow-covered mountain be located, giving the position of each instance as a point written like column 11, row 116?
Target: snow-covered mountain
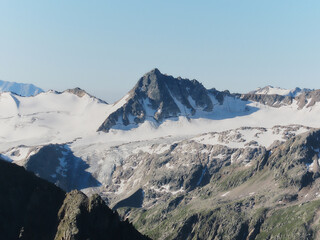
column 49, row 117
column 22, row 89
column 157, row 97
column 270, row 90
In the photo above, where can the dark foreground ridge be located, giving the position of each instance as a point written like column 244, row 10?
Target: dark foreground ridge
column 32, row 208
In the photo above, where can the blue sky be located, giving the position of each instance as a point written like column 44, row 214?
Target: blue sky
column 106, row 46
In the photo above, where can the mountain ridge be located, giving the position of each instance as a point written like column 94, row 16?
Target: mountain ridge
column 157, row 97
column 270, row 90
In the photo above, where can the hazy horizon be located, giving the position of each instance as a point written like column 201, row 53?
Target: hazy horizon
column 119, row 97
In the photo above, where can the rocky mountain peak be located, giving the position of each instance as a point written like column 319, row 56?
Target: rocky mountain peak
column 157, row 96
column 77, row 91
column 154, row 71
column 152, row 84
column 81, row 93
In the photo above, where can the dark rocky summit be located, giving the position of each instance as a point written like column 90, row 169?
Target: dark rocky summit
column 32, row 208
column 156, row 97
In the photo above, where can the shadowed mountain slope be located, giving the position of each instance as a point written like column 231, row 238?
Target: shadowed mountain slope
column 32, row 208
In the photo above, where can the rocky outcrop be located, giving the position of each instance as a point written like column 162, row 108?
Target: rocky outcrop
column 80, row 93
column 308, row 99
column 305, row 99
column 81, row 217
column 32, row 208
column 269, row 100
column 293, row 162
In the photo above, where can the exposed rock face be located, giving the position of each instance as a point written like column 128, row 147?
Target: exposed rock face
column 77, row 91
column 216, row 192
column 270, row 100
column 312, row 97
column 80, row 93
column 32, row 208
column 156, row 97
column 296, row 161
column 305, row 98
column 81, row 217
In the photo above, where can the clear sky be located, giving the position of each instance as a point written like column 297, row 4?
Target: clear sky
column 105, row 46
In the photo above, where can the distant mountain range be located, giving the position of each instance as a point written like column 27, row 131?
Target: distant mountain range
column 21, row 89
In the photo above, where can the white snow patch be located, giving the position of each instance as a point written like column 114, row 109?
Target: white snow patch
column 166, row 189
column 225, row 194
column 168, row 165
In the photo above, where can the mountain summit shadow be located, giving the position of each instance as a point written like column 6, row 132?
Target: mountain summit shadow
column 57, row 164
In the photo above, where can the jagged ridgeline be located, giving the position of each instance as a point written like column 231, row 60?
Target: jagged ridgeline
column 157, row 97
column 32, row 208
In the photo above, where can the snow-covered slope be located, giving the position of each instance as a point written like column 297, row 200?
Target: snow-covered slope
column 48, row 117
column 22, row 89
